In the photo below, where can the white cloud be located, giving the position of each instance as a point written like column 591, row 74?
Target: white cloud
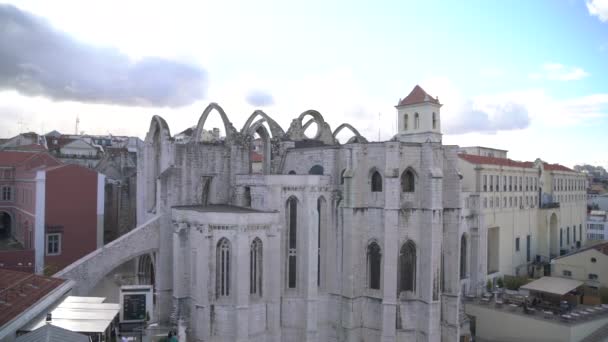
column 559, row 72
column 598, row 8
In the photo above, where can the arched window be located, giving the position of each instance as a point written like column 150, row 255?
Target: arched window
column 316, row 170
column 434, row 121
column 405, row 120
column 416, row 121
column 247, row 196
column 292, row 233
column 408, row 181
column 255, row 267
column 463, row 257
column 292, row 172
column 376, row 182
column 407, row 267
column 374, row 264
column 222, row 269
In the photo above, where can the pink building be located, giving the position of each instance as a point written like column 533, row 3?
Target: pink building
column 51, row 214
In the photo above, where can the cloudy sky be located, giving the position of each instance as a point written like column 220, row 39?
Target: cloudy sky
column 527, row 76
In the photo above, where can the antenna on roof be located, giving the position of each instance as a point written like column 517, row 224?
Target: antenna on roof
column 77, row 124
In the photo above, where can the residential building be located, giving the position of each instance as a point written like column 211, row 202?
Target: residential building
column 51, row 213
column 588, row 265
column 521, row 214
column 597, row 226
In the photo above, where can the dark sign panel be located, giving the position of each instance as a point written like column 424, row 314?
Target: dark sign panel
column 134, row 307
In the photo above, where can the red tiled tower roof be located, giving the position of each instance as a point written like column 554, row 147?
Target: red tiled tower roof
column 417, row 95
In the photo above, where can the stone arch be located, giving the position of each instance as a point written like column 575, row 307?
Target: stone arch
column 89, row 270
column 316, row 170
column 296, row 130
column 376, row 180
column 6, row 224
column 146, row 266
column 407, row 271
column 373, row 254
column 259, row 128
column 229, row 129
column 408, row 180
column 275, row 128
column 357, row 137
column 158, row 136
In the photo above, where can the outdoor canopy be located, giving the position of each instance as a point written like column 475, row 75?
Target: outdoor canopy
column 553, row 285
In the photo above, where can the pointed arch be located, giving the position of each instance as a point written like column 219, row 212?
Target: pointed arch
column 256, row 267
column 357, row 136
column 222, row 268
column 157, row 137
column 291, row 210
column 201, row 122
column 407, row 267
column 408, row 180
column 374, row 265
column 275, row 128
column 316, row 117
column 259, row 128
column 463, row 256
column 376, row 181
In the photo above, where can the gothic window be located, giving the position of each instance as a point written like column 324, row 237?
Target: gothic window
column 247, row 195
column 405, row 119
column 376, row 182
column 463, row 257
column 416, row 121
column 316, row 170
column 292, row 226
column 255, row 267
column 222, row 268
column 408, row 181
column 434, row 121
column 374, row 264
column 407, row 267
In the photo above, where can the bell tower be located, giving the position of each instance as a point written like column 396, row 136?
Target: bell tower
column 418, row 117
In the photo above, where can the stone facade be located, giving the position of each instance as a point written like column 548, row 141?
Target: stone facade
column 332, row 242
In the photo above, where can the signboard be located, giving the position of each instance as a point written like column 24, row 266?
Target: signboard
column 134, row 307
column 135, row 303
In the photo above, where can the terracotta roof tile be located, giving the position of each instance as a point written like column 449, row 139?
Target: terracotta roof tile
column 14, row 158
column 556, row 167
column 20, row 290
column 417, row 95
column 475, row 159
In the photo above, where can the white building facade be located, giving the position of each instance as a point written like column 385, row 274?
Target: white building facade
column 597, row 226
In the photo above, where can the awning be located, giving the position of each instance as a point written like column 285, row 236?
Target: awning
column 554, row 285
column 79, row 314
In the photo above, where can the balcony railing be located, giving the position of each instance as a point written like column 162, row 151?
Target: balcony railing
column 549, row 205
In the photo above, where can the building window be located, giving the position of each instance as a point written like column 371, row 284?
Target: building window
column 292, row 219
column 593, row 260
column 574, row 234
column 7, row 193
column 408, row 181
column 416, row 121
column 592, row 276
column 405, row 119
column 504, row 202
column 491, row 183
column 342, row 176
column 434, row 121
column 517, row 244
column 316, row 170
column 567, row 235
column 566, row 273
column 504, row 183
column 580, row 232
column 53, row 244
column 255, row 267
column 510, row 183
column 407, row 267
column 463, row 257
column 374, row 264
column 222, row 268
column 561, row 237
column 485, row 183
column 528, row 248
column 485, row 202
column 376, row 182
column 497, row 182
column 520, row 184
